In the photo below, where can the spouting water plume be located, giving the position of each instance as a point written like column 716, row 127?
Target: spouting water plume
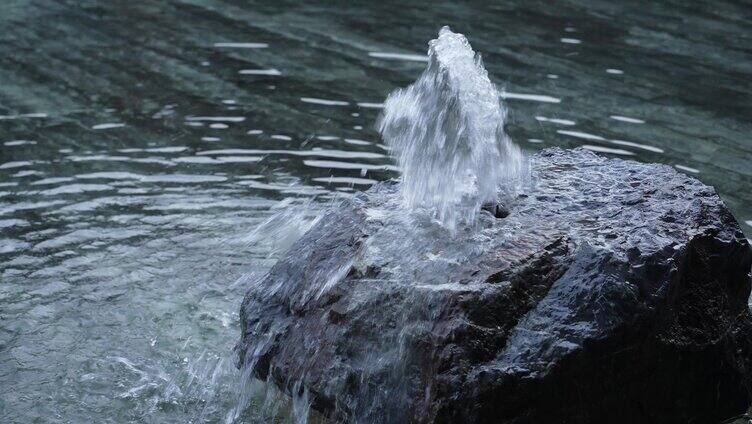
column 446, row 132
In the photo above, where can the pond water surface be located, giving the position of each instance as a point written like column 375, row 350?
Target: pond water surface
column 141, row 143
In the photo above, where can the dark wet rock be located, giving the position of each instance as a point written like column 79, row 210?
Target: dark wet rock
column 498, row 210
column 613, row 292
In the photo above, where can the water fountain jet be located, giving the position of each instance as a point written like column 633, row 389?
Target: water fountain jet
column 446, row 132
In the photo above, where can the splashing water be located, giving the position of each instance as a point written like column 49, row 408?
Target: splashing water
column 447, row 134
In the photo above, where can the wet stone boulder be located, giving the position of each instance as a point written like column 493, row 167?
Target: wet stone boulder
column 612, row 291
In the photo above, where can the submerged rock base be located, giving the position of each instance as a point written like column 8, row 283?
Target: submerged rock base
column 614, row 291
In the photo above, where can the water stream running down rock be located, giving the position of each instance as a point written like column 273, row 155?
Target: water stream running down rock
column 446, row 132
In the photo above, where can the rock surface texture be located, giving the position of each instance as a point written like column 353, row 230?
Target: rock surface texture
column 614, row 291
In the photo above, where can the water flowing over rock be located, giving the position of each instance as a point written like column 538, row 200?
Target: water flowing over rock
column 447, row 133
column 614, row 291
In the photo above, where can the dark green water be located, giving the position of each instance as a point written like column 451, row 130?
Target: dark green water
column 141, row 142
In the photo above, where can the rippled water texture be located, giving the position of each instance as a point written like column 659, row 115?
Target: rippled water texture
column 144, row 147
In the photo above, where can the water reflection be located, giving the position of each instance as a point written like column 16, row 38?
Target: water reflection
column 216, row 118
column 346, row 180
column 324, row 102
column 531, row 97
column 242, row 45
column 581, row 134
column 269, row 72
column 330, row 164
column 314, row 152
column 555, row 120
column 399, row 56
column 107, row 126
column 602, row 149
column 627, row 119
column 18, row 142
column 687, row 169
column 24, row 115
column 371, row 105
column 637, row 145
